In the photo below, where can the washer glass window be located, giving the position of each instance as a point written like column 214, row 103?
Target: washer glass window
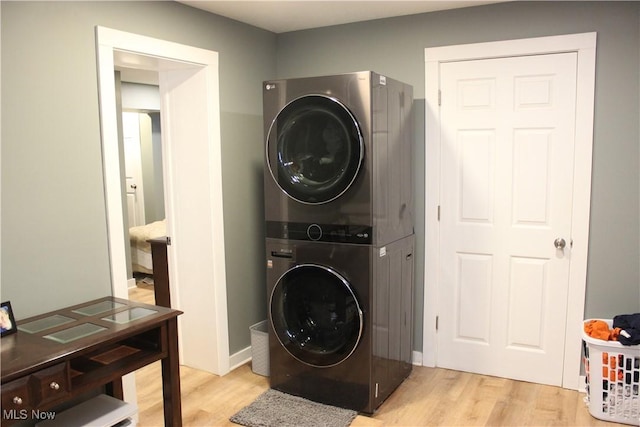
column 315, row 149
column 316, row 315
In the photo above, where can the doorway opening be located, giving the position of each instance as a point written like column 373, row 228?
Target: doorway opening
column 190, row 115
column 145, row 218
column 144, row 188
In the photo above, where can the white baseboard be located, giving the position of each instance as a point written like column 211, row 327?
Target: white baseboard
column 131, row 283
column 240, row 358
column 416, row 358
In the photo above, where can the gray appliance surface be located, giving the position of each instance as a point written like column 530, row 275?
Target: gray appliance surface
column 353, row 127
column 340, row 329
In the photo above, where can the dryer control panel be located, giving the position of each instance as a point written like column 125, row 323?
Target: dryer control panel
column 340, row 233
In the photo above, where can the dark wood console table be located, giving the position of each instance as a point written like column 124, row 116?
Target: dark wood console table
column 57, row 356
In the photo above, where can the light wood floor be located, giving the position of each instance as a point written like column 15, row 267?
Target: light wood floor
column 429, row 397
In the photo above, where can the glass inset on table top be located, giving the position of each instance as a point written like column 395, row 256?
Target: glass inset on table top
column 46, row 323
column 75, row 333
column 97, row 308
column 130, row 315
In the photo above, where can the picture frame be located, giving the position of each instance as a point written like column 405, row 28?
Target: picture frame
column 7, row 321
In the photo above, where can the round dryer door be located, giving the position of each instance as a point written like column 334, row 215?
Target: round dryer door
column 314, row 149
column 316, row 315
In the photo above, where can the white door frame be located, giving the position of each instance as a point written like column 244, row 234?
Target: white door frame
column 585, row 46
column 158, row 55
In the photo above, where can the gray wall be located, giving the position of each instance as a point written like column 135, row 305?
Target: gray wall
column 54, row 236
column 54, row 241
column 395, row 47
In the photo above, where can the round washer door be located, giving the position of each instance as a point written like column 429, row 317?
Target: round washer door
column 314, row 149
column 316, row 315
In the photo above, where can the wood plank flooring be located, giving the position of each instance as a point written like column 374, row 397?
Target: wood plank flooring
column 429, row 397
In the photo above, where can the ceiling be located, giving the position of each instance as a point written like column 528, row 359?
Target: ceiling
column 293, row 15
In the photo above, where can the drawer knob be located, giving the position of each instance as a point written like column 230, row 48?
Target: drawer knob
column 17, row 400
column 54, row 386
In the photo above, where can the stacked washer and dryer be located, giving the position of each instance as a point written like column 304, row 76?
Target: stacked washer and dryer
column 339, row 237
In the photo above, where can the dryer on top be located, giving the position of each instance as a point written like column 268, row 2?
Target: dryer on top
column 338, row 163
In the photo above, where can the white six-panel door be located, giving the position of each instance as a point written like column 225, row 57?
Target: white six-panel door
column 133, row 169
column 506, row 195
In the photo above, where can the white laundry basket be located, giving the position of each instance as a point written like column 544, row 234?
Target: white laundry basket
column 260, row 348
column 613, row 379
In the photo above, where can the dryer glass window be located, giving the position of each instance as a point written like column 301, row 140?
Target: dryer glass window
column 316, row 315
column 315, row 149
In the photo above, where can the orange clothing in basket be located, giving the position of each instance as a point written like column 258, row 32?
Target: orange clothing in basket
column 600, row 329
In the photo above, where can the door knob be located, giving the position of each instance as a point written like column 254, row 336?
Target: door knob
column 559, row 243
column 133, row 186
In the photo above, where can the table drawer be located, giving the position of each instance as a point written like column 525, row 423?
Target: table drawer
column 50, row 384
column 34, row 390
column 15, row 396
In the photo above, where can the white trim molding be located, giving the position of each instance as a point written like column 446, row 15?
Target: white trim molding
column 129, row 50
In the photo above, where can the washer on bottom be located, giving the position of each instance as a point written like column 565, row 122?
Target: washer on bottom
column 339, row 320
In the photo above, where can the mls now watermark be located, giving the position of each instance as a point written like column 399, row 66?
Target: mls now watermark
column 25, row 414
